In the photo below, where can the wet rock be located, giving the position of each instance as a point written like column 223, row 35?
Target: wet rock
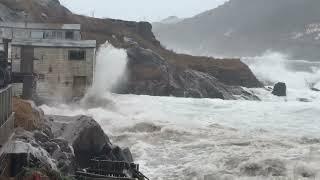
column 151, row 74
column 87, row 139
column 315, row 89
column 63, row 145
column 118, row 154
column 304, row 100
column 24, row 144
column 46, row 129
column 59, row 155
column 50, row 147
column 280, row 89
column 40, row 137
column 128, row 155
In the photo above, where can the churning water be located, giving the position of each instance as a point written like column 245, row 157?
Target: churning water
column 209, row 139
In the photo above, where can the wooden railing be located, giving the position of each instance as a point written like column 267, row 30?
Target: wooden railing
column 6, row 114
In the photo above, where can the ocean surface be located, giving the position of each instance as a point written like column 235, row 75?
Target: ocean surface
column 211, row 139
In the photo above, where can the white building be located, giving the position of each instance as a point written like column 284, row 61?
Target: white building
column 63, row 64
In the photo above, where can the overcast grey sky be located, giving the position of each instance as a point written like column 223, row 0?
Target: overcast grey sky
column 141, row 10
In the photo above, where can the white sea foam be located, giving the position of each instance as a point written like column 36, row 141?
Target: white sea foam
column 190, row 138
column 208, row 139
column 299, row 75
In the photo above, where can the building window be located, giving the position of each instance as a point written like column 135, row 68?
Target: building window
column 69, row 35
column 20, row 34
column 36, row 34
column 77, row 55
column 46, row 35
column 59, row 35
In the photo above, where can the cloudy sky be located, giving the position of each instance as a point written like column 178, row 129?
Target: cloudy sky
column 141, row 10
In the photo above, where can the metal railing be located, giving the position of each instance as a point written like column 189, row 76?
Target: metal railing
column 6, row 114
column 5, row 104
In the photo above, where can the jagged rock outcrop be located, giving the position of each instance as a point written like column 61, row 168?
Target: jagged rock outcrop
column 280, row 89
column 58, row 143
column 87, row 139
column 150, row 74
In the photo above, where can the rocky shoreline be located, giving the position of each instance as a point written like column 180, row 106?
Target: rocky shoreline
column 58, row 144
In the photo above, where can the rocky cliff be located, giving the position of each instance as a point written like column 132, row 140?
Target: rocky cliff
column 165, row 79
column 126, row 34
column 56, row 143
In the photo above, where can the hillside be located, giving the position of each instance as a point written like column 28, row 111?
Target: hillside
column 248, row 28
column 122, row 34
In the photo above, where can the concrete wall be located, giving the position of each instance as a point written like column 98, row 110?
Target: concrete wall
column 56, row 73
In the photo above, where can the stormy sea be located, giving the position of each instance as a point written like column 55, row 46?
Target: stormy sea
column 207, row 139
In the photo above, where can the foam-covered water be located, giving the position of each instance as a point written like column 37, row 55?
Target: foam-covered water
column 209, row 139
column 299, row 75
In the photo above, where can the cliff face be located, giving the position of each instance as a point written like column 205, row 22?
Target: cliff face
column 121, row 34
column 164, row 79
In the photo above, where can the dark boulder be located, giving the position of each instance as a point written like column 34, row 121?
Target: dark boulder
column 76, row 140
column 87, row 139
column 280, row 89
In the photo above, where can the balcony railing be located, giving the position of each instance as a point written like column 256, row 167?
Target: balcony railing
column 6, row 115
column 5, row 104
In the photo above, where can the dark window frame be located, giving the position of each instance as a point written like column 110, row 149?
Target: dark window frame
column 70, row 35
column 77, row 55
